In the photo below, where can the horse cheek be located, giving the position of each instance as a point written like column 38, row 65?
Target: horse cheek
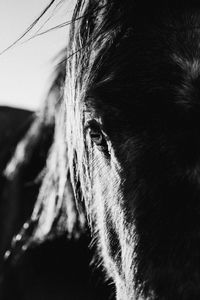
column 115, row 246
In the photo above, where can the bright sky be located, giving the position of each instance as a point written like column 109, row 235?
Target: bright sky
column 25, row 69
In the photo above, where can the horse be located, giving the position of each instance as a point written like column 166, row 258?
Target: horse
column 126, row 138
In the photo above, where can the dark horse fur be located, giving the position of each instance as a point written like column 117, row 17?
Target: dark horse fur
column 127, row 137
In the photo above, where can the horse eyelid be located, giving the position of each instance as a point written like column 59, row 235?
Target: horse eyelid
column 94, row 126
column 97, row 137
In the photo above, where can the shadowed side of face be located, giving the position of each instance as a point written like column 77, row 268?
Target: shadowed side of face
column 141, row 133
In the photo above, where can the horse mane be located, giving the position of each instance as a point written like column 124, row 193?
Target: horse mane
column 59, row 207
column 55, row 211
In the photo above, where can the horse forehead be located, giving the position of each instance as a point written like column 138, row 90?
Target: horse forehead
column 171, row 49
column 159, row 59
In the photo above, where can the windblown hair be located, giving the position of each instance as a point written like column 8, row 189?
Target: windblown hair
column 55, row 212
column 85, row 66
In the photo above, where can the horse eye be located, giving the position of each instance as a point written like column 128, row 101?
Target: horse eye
column 97, row 137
